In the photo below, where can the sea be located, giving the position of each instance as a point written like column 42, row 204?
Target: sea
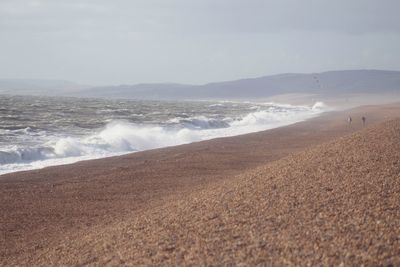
column 37, row 132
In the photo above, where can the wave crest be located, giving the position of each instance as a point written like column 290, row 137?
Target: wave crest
column 119, row 137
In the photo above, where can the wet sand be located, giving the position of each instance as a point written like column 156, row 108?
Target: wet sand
column 254, row 199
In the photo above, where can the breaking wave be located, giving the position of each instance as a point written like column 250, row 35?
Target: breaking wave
column 119, row 137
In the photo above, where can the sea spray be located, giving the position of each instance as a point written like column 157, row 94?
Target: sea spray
column 50, row 139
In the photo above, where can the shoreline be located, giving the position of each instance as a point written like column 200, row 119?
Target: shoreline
column 42, row 208
column 52, row 162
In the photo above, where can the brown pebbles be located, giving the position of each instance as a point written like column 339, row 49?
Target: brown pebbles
column 271, row 198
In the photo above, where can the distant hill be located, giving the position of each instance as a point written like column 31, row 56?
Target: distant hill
column 326, row 83
column 331, row 83
column 39, row 87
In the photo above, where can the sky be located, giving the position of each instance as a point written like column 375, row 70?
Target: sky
column 104, row 42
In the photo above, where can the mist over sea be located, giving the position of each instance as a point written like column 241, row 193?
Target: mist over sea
column 36, row 132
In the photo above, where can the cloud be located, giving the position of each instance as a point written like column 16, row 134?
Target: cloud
column 221, row 16
column 127, row 41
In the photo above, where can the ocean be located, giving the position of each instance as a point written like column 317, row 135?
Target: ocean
column 36, row 132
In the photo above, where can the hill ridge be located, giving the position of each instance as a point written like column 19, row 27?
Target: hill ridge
column 325, row 83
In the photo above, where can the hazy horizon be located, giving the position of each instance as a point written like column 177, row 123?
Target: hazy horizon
column 196, row 42
column 194, row 84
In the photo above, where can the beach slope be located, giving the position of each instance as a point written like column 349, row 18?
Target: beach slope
column 310, row 193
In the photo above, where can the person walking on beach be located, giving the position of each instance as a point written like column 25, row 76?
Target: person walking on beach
column 349, row 120
column 363, row 120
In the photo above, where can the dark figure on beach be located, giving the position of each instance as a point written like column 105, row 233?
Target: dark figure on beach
column 363, row 120
column 349, row 120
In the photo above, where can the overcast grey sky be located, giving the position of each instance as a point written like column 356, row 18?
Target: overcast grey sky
column 193, row 41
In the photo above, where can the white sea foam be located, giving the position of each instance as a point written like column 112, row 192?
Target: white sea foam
column 319, row 106
column 120, row 137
